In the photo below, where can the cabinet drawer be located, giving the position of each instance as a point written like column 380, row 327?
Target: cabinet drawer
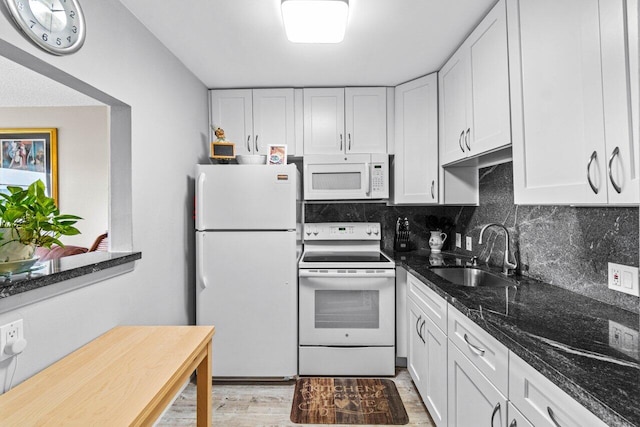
column 484, row 351
column 433, row 305
column 538, row 398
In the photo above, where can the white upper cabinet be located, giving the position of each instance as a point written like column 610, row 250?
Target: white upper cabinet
column 345, row 121
column 366, row 119
column 474, row 92
column 254, row 119
column 324, row 121
column 273, row 119
column 415, row 164
column 231, row 110
column 572, row 107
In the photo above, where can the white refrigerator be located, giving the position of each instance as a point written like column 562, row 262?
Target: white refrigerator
column 248, row 241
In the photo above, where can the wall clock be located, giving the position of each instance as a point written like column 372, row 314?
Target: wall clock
column 57, row 26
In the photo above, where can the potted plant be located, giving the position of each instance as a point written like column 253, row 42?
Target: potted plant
column 28, row 219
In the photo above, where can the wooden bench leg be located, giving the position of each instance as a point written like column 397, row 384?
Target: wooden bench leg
column 204, row 390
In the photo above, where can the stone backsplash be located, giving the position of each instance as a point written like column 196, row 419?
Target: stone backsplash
column 561, row 245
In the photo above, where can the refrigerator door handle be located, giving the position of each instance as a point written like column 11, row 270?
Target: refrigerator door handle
column 200, row 200
column 200, row 261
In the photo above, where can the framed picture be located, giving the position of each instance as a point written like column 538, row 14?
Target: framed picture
column 29, row 155
column 277, row 155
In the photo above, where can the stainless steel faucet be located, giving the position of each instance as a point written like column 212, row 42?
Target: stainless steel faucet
column 507, row 267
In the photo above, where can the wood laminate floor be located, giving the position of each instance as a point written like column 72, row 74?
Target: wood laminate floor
column 269, row 404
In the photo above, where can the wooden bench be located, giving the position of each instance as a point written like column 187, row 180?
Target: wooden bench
column 125, row 377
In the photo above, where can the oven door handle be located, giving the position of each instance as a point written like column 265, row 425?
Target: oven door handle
column 314, row 274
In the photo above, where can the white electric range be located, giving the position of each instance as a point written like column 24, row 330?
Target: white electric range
column 346, row 304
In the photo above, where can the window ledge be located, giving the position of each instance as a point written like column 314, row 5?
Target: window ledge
column 63, row 275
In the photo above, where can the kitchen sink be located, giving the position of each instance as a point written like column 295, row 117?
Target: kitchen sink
column 472, row 277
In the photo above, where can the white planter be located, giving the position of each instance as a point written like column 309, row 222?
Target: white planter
column 14, row 250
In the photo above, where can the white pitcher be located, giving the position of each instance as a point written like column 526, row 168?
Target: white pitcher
column 436, row 240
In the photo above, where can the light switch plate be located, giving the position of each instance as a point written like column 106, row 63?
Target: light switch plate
column 469, row 243
column 623, row 278
column 623, row 339
column 458, row 240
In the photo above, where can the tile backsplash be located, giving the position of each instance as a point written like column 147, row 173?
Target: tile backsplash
column 565, row 246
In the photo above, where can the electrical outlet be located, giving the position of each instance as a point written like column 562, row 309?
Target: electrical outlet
column 623, row 278
column 458, row 240
column 623, row 339
column 10, row 333
column 469, row 243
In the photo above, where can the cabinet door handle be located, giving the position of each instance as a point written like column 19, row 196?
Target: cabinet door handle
column 591, row 159
column 340, row 142
column 553, row 417
column 349, row 136
column 514, row 423
column 256, row 143
column 615, row 152
column 421, row 335
column 477, row 350
column 249, row 143
column 495, row 410
column 417, row 326
column 466, row 139
column 460, row 141
column 433, row 183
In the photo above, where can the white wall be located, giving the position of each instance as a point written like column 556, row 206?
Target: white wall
column 169, row 128
column 83, row 161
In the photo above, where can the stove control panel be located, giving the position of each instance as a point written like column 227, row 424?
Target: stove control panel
column 342, row 231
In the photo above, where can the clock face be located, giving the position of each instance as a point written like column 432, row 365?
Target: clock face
column 56, row 26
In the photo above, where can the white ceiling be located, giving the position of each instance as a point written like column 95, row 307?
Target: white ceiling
column 242, row 43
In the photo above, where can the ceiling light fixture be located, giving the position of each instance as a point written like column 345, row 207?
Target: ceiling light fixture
column 315, row 21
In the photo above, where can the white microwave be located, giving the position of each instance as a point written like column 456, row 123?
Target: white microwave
column 346, row 177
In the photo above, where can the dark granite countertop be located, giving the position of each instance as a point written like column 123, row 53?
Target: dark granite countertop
column 61, row 269
column 566, row 336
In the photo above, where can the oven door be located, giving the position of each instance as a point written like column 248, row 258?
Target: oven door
column 347, row 307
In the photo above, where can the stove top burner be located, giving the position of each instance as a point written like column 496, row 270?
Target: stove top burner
column 344, row 257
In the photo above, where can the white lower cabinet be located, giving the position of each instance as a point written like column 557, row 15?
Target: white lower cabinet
column 542, row 402
column 478, row 371
column 427, row 358
column 516, row 419
column 467, row 378
column 473, row 401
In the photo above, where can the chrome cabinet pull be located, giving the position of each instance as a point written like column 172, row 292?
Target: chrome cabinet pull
column 256, row 143
column 340, row 142
column 249, row 143
column 553, row 417
column 514, row 423
column 422, row 336
column 349, row 136
column 477, row 350
column 417, row 326
column 433, row 183
column 615, row 152
column 591, row 159
column 460, row 141
column 495, row 410
column 466, row 139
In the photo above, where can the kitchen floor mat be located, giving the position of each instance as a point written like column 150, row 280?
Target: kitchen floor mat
column 347, row 401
